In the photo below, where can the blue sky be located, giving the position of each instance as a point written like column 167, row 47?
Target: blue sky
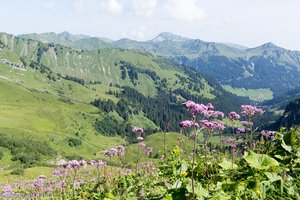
column 246, row 22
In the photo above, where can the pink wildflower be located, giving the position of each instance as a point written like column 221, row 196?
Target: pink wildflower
column 233, row 115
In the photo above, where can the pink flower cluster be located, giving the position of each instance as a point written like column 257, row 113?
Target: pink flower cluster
column 240, row 130
column 98, row 163
column 269, row 134
column 207, row 111
column 148, row 150
column 139, row 139
column 119, row 151
column 74, row 164
column 251, row 111
column 142, row 145
column 213, row 114
column 137, row 130
column 247, row 124
column 59, row 172
column 231, row 142
column 187, row 124
column 212, row 125
column 233, row 115
column 195, row 108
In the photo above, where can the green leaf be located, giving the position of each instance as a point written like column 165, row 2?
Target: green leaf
column 272, row 176
column 200, row 192
column 260, row 161
column 177, row 184
column 225, row 164
column 286, row 147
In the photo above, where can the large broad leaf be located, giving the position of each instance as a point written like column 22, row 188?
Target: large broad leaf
column 225, row 164
column 260, row 161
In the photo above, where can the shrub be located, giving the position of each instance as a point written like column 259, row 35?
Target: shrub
column 17, row 171
column 74, row 142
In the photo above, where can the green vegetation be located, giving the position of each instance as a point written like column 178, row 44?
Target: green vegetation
column 254, row 94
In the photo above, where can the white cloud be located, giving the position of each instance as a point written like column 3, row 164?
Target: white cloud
column 143, row 7
column 49, row 3
column 185, row 10
column 78, row 6
column 135, row 33
column 112, row 6
column 138, row 32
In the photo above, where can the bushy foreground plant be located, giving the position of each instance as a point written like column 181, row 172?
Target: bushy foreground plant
column 241, row 167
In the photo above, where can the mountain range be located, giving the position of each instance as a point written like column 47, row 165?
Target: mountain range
column 77, row 94
column 268, row 67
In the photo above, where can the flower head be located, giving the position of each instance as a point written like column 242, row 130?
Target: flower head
column 195, row 108
column 139, row 139
column 269, row 134
column 137, row 130
column 186, row 124
column 240, row 130
column 213, row 114
column 142, row 145
column 233, row 115
column 148, row 150
column 251, row 111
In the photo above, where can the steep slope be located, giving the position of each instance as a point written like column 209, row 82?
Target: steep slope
column 291, row 115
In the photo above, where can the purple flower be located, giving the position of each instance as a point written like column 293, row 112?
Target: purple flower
column 269, row 134
column 186, row 124
column 120, row 150
column 247, row 124
column 199, row 109
column 233, row 115
column 231, row 142
column 7, row 192
column 148, row 150
column 251, row 111
column 209, row 106
column 100, row 163
column 240, row 130
column 213, row 114
column 188, row 104
column 83, row 163
column 42, row 177
column 195, row 108
column 212, row 125
column 79, row 183
column 59, row 173
column 139, row 139
column 7, row 188
column 142, row 145
column 111, row 152
column 137, row 130
column 38, row 183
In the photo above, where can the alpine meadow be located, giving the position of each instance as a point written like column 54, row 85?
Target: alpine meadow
column 153, row 115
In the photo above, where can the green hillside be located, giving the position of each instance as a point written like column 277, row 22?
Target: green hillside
column 56, row 101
